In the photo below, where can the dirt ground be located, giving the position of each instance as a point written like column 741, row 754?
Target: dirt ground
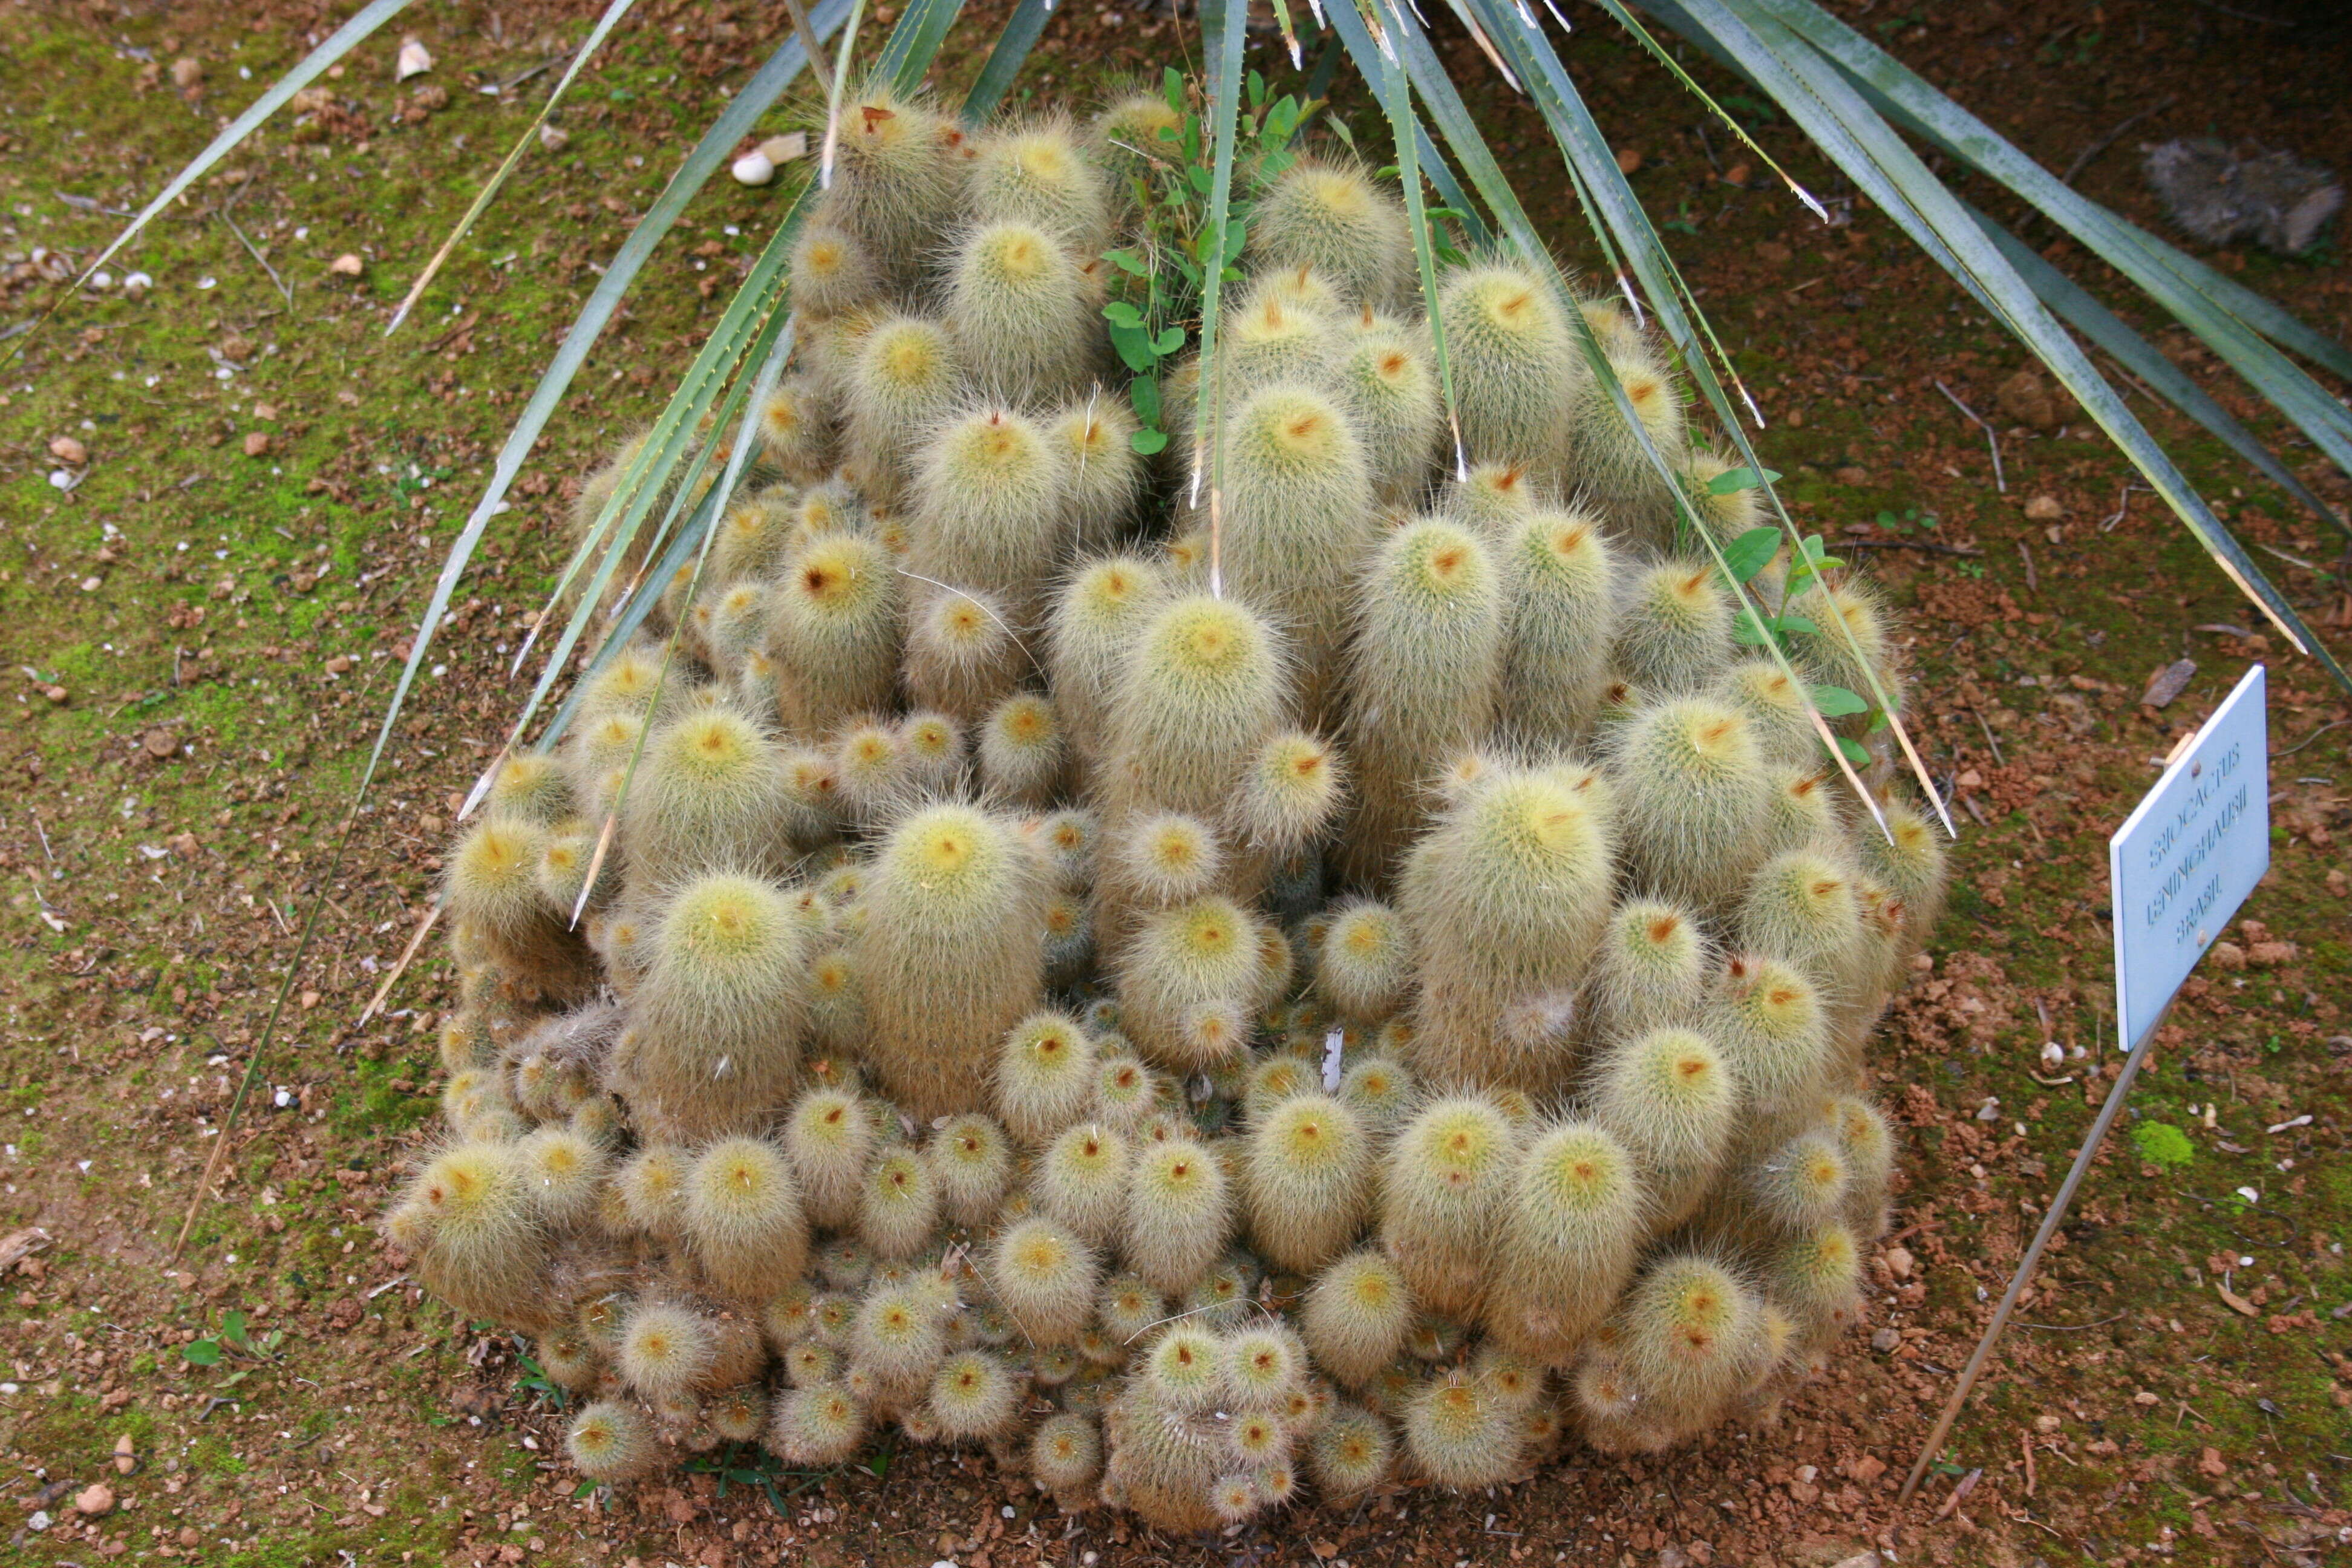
column 224, row 494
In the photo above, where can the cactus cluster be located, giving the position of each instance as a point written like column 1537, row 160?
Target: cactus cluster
column 1385, row 1005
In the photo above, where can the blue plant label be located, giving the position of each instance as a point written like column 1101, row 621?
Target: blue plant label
column 2188, row 854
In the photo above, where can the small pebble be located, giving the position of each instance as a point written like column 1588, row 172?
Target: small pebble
column 415, row 60
column 754, row 168
column 94, row 1500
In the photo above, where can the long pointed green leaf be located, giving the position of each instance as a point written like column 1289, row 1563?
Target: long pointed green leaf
column 741, row 114
column 1973, row 142
column 743, row 332
column 2233, row 319
column 1611, row 197
column 1396, row 98
column 1829, row 109
column 916, row 40
column 482, row 198
column 345, row 38
column 772, row 348
column 1610, row 202
column 2079, row 309
column 1357, row 41
column 1005, row 60
column 1690, row 84
column 1223, row 26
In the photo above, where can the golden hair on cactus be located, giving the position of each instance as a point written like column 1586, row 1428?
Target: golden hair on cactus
column 1381, row 377
column 1614, row 469
column 1023, row 309
column 1104, row 471
column 1357, row 1313
column 1082, row 1180
column 1422, row 678
column 991, row 507
column 1307, row 1182
column 1298, row 519
column 1094, row 617
column 1565, row 1244
column 1023, row 759
column 1690, row 1333
column 1767, row 1019
column 1044, row 1076
column 482, row 1247
column 819, row 1424
column 834, row 631
column 1332, row 218
column 1449, row 1173
column 897, row 1205
column 1518, row 373
column 1503, row 897
column 742, row 1217
column 1651, row 970
column 1199, row 952
column 1674, row 634
column 963, row 657
column 1178, row 1211
column 1459, row 1434
column 899, row 178
column 1693, row 797
column 950, row 955
column 716, row 1023
column 1038, row 172
column 708, row 793
column 1046, row 1277
column 971, row 1164
column 1560, row 618
column 1203, row 686
column 610, row 1441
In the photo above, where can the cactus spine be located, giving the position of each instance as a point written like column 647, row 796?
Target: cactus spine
column 950, row 955
column 1567, row 1242
column 1422, row 675
column 1503, row 897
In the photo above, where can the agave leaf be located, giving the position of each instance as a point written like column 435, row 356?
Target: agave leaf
column 916, row 40
column 482, row 198
column 1289, row 35
column 753, row 319
column 2136, row 355
column 1356, row 38
column 608, row 538
column 740, row 114
column 345, row 38
column 1612, row 197
column 2229, row 318
column 1469, row 145
column 1223, row 23
column 1971, row 140
column 773, row 347
column 1690, row 84
column 742, row 111
column 1830, row 110
column 1396, row 98
column 1005, row 60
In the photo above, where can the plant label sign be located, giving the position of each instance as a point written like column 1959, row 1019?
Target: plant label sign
column 2188, row 854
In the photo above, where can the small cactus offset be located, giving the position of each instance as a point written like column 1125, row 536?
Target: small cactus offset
column 1220, row 997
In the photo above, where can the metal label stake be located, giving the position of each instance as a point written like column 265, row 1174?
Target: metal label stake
column 2178, row 867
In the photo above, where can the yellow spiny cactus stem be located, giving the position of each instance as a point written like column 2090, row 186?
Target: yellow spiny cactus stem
column 1226, row 996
